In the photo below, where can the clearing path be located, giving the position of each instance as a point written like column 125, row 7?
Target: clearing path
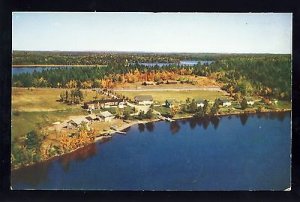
column 173, row 89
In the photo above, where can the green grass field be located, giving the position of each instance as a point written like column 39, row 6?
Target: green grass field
column 42, row 99
column 36, row 108
column 24, row 122
column 179, row 96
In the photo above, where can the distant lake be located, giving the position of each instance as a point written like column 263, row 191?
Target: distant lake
column 247, row 152
column 194, row 62
column 19, row 70
column 181, row 63
column 153, row 64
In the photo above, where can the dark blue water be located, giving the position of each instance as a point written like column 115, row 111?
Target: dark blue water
column 230, row 153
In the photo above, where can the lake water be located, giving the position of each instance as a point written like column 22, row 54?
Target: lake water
column 181, row 63
column 194, row 62
column 20, row 70
column 153, row 64
column 230, row 153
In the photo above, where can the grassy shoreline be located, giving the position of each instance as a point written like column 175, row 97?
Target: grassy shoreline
column 106, row 135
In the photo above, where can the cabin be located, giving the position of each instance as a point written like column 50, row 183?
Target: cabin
column 266, row 101
column 274, row 101
column 171, row 82
column 147, row 83
column 91, row 105
column 200, row 102
column 170, row 103
column 92, row 117
column 250, row 101
column 99, row 104
column 159, row 82
column 143, row 99
column 225, row 102
column 121, row 105
column 74, row 123
column 110, row 103
column 106, row 116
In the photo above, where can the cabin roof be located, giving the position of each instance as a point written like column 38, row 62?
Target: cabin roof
column 200, row 101
column 103, row 101
column 172, row 81
column 105, row 114
column 91, row 116
column 224, row 100
column 78, row 121
column 143, row 98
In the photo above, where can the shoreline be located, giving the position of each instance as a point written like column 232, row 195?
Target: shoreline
column 107, row 135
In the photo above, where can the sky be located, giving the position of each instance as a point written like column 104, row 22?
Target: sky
column 153, row 32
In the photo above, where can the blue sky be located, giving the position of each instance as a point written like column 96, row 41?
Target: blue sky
column 153, row 32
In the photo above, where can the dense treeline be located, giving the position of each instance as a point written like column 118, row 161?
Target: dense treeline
column 89, row 58
column 88, row 77
column 266, row 76
column 112, row 58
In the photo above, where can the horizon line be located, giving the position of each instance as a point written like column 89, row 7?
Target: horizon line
column 170, row 52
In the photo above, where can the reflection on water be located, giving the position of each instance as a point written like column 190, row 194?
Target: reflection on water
column 27, row 176
column 243, row 118
column 281, row 116
column 183, row 121
column 79, row 155
column 215, row 121
column 141, row 127
column 205, row 123
column 174, row 127
column 192, row 123
column 150, row 126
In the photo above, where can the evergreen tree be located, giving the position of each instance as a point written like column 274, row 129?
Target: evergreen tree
column 244, row 104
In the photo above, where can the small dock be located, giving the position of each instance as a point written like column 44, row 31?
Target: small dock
column 165, row 118
column 121, row 132
column 102, row 138
column 115, row 130
column 169, row 119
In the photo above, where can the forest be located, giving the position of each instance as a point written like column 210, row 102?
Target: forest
column 242, row 74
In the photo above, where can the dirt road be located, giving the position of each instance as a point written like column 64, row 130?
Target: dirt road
column 171, row 89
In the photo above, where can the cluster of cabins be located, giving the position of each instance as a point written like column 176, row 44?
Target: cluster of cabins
column 200, row 102
column 102, row 104
column 147, row 100
column 120, row 103
column 104, row 116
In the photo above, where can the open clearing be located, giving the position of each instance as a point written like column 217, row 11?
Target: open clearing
column 42, row 99
column 24, row 122
column 37, row 107
column 200, row 82
column 179, row 96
